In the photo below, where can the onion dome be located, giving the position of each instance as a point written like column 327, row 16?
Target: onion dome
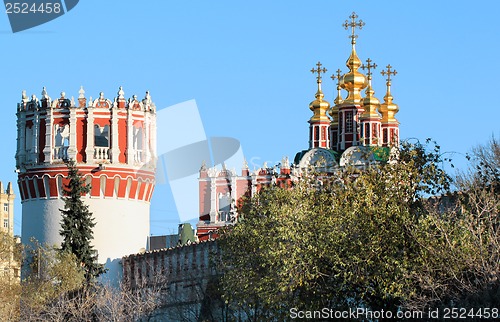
column 319, row 106
column 353, row 81
column 370, row 103
column 334, row 111
column 388, row 109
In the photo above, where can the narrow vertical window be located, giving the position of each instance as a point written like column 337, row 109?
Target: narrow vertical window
column 348, row 122
column 334, row 140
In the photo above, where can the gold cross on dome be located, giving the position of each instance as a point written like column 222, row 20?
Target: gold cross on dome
column 369, row 66
column 318, row 70
column 389, row 72
column 353, row 24
column 337, row 76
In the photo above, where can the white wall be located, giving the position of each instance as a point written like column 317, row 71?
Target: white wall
column 122, row 227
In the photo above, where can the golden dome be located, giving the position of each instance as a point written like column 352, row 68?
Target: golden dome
column 319, row 106
column 388, row 109
column 370, row 103
column 334, row 110
column 353, row 82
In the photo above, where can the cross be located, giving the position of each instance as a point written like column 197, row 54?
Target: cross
column 339, row 74
column 318, row 70
column 369, row 67
column 389, row 72
column 353, row 24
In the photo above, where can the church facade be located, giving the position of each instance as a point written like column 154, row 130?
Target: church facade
column 355, row 130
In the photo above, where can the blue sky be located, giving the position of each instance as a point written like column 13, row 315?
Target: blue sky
column 246, row 63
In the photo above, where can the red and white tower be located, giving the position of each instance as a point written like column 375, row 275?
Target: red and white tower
column 319, row 124
column 353, row 82
column 114, row 146
column 370, row 119
column 390, row 126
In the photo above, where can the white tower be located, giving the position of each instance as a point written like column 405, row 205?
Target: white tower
column 114, row 146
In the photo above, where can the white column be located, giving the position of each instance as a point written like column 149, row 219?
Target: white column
column 72, row 134
column 89, row 149
column 115, row 150
column 21, row 138
column 147, row 137
column 213, row 198
column 130, row 138
column 152, row 138
column 342, row 132
column 34, row 148
column 49, row 130
column 234, row 190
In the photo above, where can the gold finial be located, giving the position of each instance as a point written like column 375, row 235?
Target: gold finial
column 389, row 72
column 334, row 110
column 353, row 24
column 369, row 66
column 353, row 81
column 370, row 103
column 388, row 109
column 319, row 70
column 337, row 76
column 319, row 106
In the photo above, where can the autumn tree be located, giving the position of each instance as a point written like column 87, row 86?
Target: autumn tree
column 77, row 224
column 479, row 201
column 352, row 241
column 56, row 290
column 10, row 289
column 51, row 275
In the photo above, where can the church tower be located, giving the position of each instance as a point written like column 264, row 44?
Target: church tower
column 114, row 146
column 370, row 119
column 357, row 120
column 319, row 134
column 334, row 113
column 353, row 82
column 390, row 126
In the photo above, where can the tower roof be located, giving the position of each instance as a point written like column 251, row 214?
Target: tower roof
column 388, row 109
column 334, row 110
column 319, row 106
column 370, row 103
column 353, row 81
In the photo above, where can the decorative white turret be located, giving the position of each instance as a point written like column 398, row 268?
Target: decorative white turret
column 114, row 146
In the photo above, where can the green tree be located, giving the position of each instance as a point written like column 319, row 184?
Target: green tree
column 354, row 240
column 77, row 224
